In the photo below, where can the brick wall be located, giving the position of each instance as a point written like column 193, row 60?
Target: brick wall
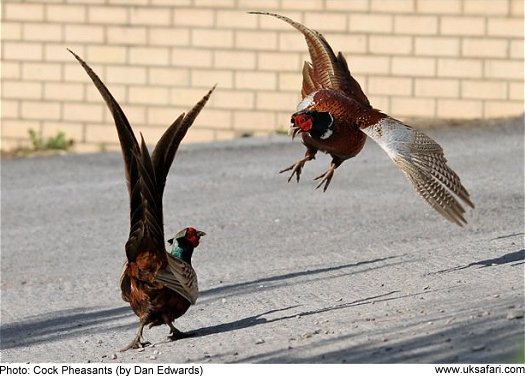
column 414, row 58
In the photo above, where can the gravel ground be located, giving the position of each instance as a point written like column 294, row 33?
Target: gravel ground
column 365, row 272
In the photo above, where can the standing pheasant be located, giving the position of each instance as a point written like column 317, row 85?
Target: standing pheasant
column 336, row 117
column 159, row 286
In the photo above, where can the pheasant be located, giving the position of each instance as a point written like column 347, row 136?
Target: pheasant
column 159, row 286
column 335, row 117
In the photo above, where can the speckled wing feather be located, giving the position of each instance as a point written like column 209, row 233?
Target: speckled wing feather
column 180, row 277
column 327, row 71
column 422, row 160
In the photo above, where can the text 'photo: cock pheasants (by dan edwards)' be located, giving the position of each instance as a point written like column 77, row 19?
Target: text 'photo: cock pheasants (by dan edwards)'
column 159, row 286
column 336, row 117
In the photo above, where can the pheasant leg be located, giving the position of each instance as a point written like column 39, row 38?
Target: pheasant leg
column 176, row 333
column 297, row 167
column 327, row 175
column 137, row 341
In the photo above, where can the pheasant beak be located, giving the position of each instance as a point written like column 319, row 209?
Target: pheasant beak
column 301, row 122
column 200, row 233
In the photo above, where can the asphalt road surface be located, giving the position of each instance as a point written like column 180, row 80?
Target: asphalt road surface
column 366, row 272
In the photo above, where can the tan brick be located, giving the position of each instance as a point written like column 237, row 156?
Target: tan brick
column 149, row 56
column 93, row 95
column 163, row 116
column 435, row 46
column 459, row 109
column 256, row 80
column 392, row 6
column 438, row 6
column 212, row 118
column 278, row 61
column 128, row 2
column 106, row 54
column 16, row 11
column 214, row 3
column 136, row 114
column 372, row 23
column 41, row 72
column 381, row 102
column 504, row 69
column 516, row 49
column 150, row 16
column 63, row 91
column 208, row 78
column 101, row 133
column 503, row 109
column 256, row 40
column 193, row 17
column 222, row 135
column 169, row 36
column 188, row 57
column 168, row 76
column 107, row 15
column 65, row 13
column 10, row 70
column 258, row 5
column 84, row 33
column 517, row 8
column 18, row 128
column 460, row 68
column 369, row 64
column 354, row 5
column 484, row 47
column 149, row 95
column 126, row 35
column 302, row 5
column 436, row 88
column 151, row 134
column 186, row 98
column 212, row 38
column 126, row 74
column 10, row 109
column 505, row 27
column 59, row 53
column 84, row 112
column 325, row 21
column 237, row 99
column 413, row 66
column 11, row 31
column 516, row 90
column 182, row 3
column 420, row 107
column 22, row 51
column 21, row 89
column 73, row 72
column 486, row 7
column 73, row 131
column 233, row 19
column 254, row 120
column 389, row 86
column 87, row 1
column 483, row 89
column 40, row 110
column 42, row 32
column 293, row 41
column 234, row 59
column 290, row 81
column 276, row 101
column 415, row 25
column 350, row 44
column 390, row 45
column 462, row 26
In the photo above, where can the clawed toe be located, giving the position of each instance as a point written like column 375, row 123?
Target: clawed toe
column 326, row 179
column 177, row 334
column 296, row 170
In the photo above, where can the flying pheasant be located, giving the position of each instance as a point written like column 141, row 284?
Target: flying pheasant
column 336, row 117
column 159, row 286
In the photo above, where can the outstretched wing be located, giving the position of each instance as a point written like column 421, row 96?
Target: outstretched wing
column 327, row 71
column 422, row 160
column 180, row 277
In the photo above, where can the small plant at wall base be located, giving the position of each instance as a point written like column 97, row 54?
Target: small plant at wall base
column 58, row 142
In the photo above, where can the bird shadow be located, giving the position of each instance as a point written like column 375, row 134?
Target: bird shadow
column 254, row 284
column 518, row 257
column 59, row 325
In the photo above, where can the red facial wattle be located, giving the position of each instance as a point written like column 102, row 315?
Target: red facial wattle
column 303, row 121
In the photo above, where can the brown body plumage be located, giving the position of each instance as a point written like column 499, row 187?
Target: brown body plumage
column 336, row 117
column 158, row 286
